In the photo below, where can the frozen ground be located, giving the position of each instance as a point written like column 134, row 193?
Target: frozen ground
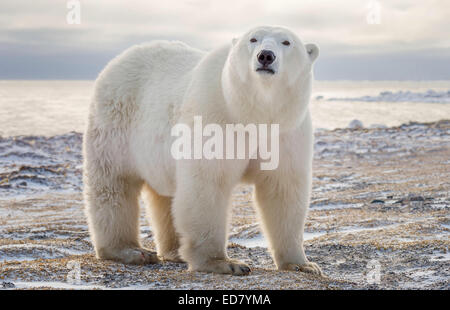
column 380, row 203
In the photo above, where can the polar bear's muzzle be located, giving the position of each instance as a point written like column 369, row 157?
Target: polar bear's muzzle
column 267, row 70
column 265, row 59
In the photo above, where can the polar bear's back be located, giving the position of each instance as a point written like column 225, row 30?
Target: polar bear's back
column 156, row 70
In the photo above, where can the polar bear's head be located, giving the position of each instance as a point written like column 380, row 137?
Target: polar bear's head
column 268, row 73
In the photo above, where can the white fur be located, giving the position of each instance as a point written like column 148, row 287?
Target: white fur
column 146, row 90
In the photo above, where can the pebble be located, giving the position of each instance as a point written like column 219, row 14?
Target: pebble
column 377, row 201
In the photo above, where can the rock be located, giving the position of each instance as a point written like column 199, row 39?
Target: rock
column 355, row 124
column 416, row 198
column 377, row 201
column 6, row 284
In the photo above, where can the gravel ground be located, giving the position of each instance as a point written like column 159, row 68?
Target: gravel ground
column 379, row 218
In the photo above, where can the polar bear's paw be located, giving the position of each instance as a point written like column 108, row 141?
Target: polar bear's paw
column 308, row 267
column 135, row 256
column 173, row 257
column 225, row 266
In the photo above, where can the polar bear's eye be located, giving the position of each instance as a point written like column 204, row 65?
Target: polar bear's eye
column 287, row 43
column 253, row 40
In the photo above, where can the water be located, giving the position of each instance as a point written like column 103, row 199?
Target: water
column 334, row 113
column 43, row 107
column 57, row 107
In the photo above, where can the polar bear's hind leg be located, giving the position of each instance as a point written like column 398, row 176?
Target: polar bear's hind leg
column 159, row 209
column 112, row 209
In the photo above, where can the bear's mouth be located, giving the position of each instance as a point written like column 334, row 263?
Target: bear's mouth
column 265, row 69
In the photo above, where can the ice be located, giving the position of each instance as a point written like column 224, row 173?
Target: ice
column 55, row 285
column 430, row 96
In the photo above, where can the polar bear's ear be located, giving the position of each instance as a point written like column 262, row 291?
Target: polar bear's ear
column 234, row 41
column 313, row 51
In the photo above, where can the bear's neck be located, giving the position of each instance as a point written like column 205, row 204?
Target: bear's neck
column 266, row 102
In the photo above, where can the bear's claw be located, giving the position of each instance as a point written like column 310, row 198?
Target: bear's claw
column 308, row 267
column 232, row 267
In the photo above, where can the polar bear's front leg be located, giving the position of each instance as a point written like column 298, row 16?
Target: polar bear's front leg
column 200, row 210
column 282, row 196
column 283, row 212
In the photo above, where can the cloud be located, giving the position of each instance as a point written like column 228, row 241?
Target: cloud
column 339, row 27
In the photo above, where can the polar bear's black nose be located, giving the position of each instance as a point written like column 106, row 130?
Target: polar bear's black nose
column 266, row 57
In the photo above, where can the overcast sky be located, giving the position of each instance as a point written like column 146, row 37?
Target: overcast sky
column 411, row 42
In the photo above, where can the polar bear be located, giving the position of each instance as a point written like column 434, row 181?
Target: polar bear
column 264, row 76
